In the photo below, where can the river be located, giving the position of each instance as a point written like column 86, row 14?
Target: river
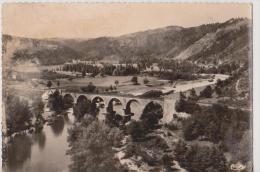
column 41, row 152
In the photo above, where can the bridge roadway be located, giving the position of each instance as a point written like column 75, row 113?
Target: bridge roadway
column 126, row 104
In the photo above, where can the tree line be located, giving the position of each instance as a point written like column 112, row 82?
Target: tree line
column 106, row 69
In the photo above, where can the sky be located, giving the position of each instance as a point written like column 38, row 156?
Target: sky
column 90, row 20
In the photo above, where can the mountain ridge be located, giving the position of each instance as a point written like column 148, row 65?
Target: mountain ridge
column 225, row 42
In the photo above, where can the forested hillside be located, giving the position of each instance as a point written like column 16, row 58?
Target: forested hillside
column 209, row 43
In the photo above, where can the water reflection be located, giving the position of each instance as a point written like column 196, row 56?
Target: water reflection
column 40, row 138
column 57, row 125
column 18, row 151
column 44, row 151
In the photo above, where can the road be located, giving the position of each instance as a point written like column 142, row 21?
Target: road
column 230, row 107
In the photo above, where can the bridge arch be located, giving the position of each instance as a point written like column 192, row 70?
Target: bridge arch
column 81, row 98
column 128, row 108
column 68, row 101
column 113, row 101
column 96, row 103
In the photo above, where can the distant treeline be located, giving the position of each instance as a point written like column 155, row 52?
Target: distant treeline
column 164, row 68
column 106, row 69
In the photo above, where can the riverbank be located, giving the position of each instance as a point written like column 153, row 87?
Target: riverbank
column 34, row 148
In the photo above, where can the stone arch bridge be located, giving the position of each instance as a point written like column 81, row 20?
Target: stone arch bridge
column 123, row 104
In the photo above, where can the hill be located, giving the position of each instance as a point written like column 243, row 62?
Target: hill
column 209, row 44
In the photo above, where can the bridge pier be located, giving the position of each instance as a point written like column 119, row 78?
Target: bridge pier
column 168, row 110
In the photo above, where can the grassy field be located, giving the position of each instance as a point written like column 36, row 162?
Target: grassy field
column 125, row 85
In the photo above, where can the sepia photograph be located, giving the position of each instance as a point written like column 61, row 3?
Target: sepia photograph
column 127, row 87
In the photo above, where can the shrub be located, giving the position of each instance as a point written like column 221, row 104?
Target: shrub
column 49, row 84
column 146, row 81
column 111, row 88
column 207, row 92
column 134, row 80
column 218, row 91
column 152, row 143
column 137, row 130
column 89, row 89
column 173, row 125
column 200, row 158
column 116, row 82
column 152, row 94
column 187, row 106
column 132, row 149
column 193, row 95
column 193, row 129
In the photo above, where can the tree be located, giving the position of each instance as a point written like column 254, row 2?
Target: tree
column 193, row 129
column 55, row 101
column 137, row 130
column 207, row 92
column 116, row 83
column 146, row 81
column 188, row 106
column 180, row 150
column 92, row 145
column 49, row 84
column 180, row 104
column 151, row 115
column 83, row 73
column 212, row 132
column 218, row 91
column 219, row 87
column 89, row 89
column 81, row 108
column 182, row 95
column 134, row 80
column 18, row 114
column 37, row 107
column 111, row 88
column 201, row 158
column 37, row 110
column 193, row 95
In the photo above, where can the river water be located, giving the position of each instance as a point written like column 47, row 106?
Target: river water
column 41, row 152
